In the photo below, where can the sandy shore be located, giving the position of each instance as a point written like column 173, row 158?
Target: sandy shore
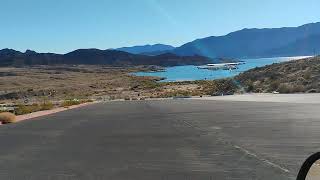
column 289, row 98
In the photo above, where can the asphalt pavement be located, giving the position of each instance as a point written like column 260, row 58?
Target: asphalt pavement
column 163, row 140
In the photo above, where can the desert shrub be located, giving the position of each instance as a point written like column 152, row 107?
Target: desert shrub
column 7, row 117
column 287, row 88
column 27, row 109
column 307, row 75
column 274, row 85
column 274, row 75
column 175, row 93
column 46, row 106
column 148, row 84
column 301, row 80
column 249, row 87
column 258, row 90
column 86, row 101
column 70, row 102
column 223, row 86
column 284, row 88
column 182, row 93
column 196, row 93
column 298, row 88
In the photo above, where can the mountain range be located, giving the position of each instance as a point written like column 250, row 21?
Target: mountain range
column 246, row 43
column 251, row 43
column 147, row 49
column 303, row 47
column 9, row 57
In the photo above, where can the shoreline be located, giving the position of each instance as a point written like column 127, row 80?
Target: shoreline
column 204, row 75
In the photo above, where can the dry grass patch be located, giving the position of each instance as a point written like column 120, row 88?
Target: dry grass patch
column 73, row 102
column 46, row 106
column 7, row 117
column 27, row 109
column 70, row 102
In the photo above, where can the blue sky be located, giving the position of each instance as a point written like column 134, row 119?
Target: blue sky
column 64, row 25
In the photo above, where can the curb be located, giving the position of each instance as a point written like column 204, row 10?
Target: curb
column 49, row 112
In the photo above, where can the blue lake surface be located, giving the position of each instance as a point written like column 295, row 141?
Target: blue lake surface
column 191, row 73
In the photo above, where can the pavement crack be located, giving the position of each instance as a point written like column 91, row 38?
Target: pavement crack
column 262, row 159
column 247, row 152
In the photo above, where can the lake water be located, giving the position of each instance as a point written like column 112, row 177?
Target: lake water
column 191, row 73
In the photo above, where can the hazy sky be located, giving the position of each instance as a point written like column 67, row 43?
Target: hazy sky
column 64, row 25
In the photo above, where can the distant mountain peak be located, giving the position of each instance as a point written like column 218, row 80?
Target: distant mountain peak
column 9, row 51
column 144, row 49
column 28, row 51
column 252, row 43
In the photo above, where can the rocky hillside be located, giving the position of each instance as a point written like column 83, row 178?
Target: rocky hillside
column 267, row 42
column 9, row 57
column 289, row 77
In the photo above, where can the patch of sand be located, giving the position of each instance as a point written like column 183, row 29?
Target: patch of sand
column 289, row 98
